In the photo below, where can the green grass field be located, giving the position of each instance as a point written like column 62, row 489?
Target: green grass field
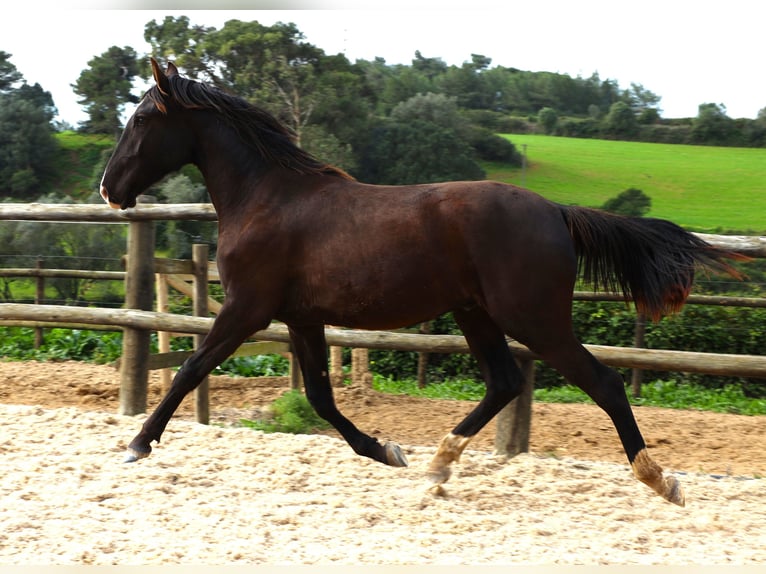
column 705, row 189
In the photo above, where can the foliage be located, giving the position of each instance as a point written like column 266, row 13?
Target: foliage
column 658, row 393
column 728, row 399
column 290, row 413
column 17, row 343
column 456, row 389
column 699, row 328
column 27, row 145
column 621, row 121
column 9, row 74
column 105, row 87
column 178, row 237
column 712, row 126
column 416, row 152
column 256, row 366
column 488, row 146
column 670, row 394
column 548, row 119
column 632, row 201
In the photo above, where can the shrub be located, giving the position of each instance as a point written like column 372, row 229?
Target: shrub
column 291, row 413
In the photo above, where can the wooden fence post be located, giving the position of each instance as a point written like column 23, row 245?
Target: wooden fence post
column 336, row 366
column 139, row 294
column 360, row 367
column 163, row 337
column 639, row 341
column 514, row 421
column 39, row 300
column 200, row 267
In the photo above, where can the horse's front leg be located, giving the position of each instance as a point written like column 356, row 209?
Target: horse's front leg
column 311, row 348
column 232, row 326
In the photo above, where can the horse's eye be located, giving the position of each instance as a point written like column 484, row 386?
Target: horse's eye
column 139, row 120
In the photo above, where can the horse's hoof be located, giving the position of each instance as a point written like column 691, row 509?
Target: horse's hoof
column 674, row 492
column 394, row 455
column 132, row 455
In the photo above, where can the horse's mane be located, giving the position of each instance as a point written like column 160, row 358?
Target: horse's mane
column 270, row 138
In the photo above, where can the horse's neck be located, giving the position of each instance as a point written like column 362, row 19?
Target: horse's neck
column 232, row 172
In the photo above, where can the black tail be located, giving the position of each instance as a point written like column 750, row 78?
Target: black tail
column 651, row 261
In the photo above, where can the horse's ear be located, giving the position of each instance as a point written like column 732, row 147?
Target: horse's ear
column 160, row 78
column 172, row 70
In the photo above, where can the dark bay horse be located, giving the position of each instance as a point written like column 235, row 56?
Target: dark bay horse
column 302, row 242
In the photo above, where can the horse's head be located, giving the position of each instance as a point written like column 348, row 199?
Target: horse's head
column 157, row 140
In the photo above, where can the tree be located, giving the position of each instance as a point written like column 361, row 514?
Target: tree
column 548, row 119
column 105, row 88
column 429, row 67
column 712, row 126
column 9, row 75
column 438, row 109
column 174, row 39
column 290, row 93
column 325, row 146
column 467, row 83
column 343, row 104
column 179, row 236
column 417, row 152
column 640, row 99
column 27, row 144
column 621, row 120
column 632, row 202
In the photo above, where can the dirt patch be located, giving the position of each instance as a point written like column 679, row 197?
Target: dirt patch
column 220, row 494
column 691, row 441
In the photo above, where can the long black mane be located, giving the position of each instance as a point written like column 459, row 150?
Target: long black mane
column 270, row 139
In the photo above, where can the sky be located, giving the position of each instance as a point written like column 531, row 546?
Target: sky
column 686, row 53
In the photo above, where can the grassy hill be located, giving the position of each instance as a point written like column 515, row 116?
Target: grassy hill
column 706, row 189
column 78, row 161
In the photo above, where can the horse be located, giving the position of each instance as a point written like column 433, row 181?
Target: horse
column 304, row 243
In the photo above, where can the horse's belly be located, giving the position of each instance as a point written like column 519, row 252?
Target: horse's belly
column 375, row 306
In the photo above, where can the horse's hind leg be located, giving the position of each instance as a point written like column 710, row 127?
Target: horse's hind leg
column 605, row 386
column 501, row 376
column 311, row 348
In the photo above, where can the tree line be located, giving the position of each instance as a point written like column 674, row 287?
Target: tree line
column 388, row 124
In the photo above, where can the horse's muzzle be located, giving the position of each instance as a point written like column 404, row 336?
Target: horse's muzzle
column 105, row 196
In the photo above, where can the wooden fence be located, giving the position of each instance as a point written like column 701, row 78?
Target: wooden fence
column 137, row 319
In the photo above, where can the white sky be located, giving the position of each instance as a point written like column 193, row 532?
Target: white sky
column 687, row 53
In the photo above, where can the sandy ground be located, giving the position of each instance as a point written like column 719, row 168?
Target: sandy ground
column 220, row 494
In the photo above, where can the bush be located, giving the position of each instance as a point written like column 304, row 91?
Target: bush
column 632, row 201
column 291, row 413
column 491, row 147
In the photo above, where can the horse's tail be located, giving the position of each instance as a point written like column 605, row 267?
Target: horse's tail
column 651, row 261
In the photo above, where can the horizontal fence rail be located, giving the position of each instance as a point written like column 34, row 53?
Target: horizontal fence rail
column 685, row 361
column 98, row 213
